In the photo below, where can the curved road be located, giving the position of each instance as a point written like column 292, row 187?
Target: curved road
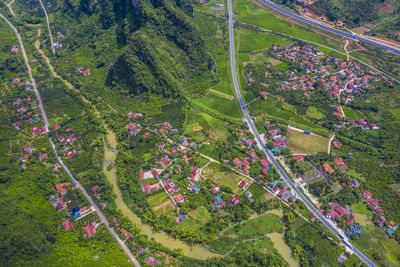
column 329, row 29
column 77, row 183
column 271, row 158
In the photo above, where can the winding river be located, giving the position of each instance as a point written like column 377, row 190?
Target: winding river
column 196, row 251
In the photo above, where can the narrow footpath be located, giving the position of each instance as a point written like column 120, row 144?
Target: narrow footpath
column 48, row 27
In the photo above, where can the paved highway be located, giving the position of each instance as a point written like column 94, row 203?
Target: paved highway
column 330, row 29
column 77, row 183
column 270, row 155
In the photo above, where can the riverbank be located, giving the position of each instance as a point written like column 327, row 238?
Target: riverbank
column 196, row 251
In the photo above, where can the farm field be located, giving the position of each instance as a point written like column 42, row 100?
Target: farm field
column 251, row 41
column 298, row 142
column 161, row 204
column 264, row 224
column 224, row 177
column 396, row 114
column 256, row 190
column 349, row 113
column 255, row 15
column 195, row 219
column 356, row 175
column 213, row 31
column 210, row 151
column 373, row 239
column 313, row 112
column 216, row 103
column 265, row 111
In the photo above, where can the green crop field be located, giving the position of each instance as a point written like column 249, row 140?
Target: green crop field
column 210, row 151
column 224, row 177
column 268, row 112
column 252, row 40
column 255, row 15
column 256, row 190
column 299, row 142
column 356, row 175
column 216, row 103
column 313, row 112
column 157, row 199
column 213, row 30
column 395, row 113
column 262, row 225
column 350, row 114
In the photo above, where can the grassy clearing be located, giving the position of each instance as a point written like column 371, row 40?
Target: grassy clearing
column 350, row 114
column 195, row 219
column 161, row 204
column 262, row 225
column 253, row 41
column 255, row 15
column 313, row 112
column 213, row 31
column 223, row 177
column 395, row 113
column 256, row 190
column 269, row 112
column 216, row 103
column 356, row 175
column 360, row 207
column 308, row 144
column 210, row 150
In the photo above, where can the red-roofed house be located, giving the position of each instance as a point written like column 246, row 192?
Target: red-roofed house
column 146, row 188
column 350, row 220
column 66, row 225
column 373, row 202
column 141, row 174
column 339, row 161
column 89, row 230
column 179, row 198
column 155, row 173
column 366, row 195
column 298, row 158
column 234, row 200
column 328, row 168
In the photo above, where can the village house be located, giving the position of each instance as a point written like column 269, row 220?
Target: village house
column 218, row 202
column 66, row 225
column 90, row 229
column 328, row 168
column 234, row 200
column 180, row 198
column 58, row 203
column 148, row 189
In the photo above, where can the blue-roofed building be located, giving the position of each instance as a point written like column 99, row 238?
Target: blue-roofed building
column 218, row 202
column 275, row 149
column 391, row 230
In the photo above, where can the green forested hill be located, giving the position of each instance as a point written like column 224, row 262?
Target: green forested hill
column 159, row 48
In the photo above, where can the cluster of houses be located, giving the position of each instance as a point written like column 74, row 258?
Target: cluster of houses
column 65, row 141
column 279, row 189
column 337, row 76
column 26, row 114
column 362, row 123
column 374, row 204
column 82, row 70
column 278, row 140
column 14, row 49
column 336, row 212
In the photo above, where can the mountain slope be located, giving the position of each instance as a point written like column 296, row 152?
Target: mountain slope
column 159, row 49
